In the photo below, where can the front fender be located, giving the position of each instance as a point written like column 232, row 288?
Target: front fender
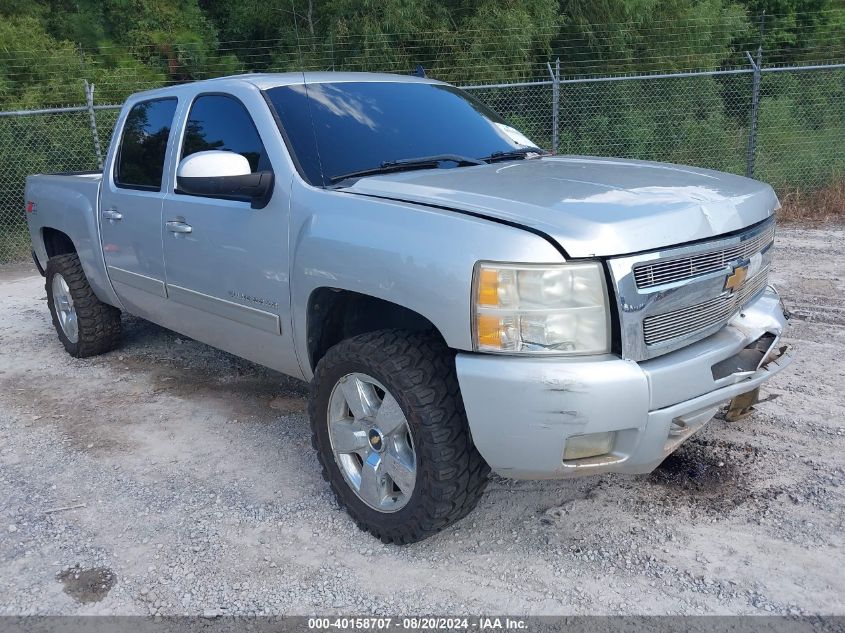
column 415, row 256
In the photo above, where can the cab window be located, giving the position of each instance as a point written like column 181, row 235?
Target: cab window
column 140, row 160
column 220, row 122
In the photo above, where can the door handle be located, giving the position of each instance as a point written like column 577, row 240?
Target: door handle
column 112, row 214
column 178, row 227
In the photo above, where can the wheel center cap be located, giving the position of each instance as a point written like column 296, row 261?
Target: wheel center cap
column 375, row 439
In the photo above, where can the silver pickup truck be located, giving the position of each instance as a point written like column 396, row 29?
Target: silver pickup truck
column 459, row 299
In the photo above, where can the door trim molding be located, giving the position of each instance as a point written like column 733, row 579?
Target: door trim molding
column 245, row 315
column 141, row 282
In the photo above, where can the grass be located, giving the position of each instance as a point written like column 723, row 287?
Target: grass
column 14, row 244
column 814, row 206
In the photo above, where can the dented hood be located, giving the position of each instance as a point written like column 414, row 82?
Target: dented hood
column 591, row 206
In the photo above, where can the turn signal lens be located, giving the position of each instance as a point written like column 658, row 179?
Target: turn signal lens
column 489, row 330
column 488, row 287
column 560, row 309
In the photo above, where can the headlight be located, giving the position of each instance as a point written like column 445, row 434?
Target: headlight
column 551, row 309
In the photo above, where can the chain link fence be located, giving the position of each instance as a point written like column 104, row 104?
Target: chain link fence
column 784, row 125
column 44, row 141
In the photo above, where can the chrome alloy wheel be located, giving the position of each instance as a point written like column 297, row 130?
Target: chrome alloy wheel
column 372, row 442
column 65, row 311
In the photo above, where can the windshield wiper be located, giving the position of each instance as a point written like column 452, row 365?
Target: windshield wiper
column 523, row 152
column 422, row 162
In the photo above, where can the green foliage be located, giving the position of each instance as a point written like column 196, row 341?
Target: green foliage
column 502, row 40
column 37, row 70
column 679, row 120
column 802, row 129
column 649, row 35
column 31, row 81
column 790, row 30
column 48, row 46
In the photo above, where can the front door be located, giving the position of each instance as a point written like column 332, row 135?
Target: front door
column 226, row 263
column 130, row 208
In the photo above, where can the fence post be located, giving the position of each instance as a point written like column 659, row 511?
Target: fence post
column 756, row 65
column 555, row 102
column 755, row 107
column 89, row 99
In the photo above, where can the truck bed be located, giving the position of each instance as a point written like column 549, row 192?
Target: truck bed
column 66, row 202
column 69, row 203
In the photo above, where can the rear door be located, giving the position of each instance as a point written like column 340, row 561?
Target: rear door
column 131, row 204
column 227, row 263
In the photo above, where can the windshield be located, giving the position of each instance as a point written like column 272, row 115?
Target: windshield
column 341, row 128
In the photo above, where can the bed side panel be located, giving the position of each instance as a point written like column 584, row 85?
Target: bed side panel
column 68, row 203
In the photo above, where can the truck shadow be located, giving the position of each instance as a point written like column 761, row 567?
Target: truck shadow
column 183, row 367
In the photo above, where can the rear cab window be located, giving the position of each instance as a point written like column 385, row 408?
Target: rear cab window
column 143, row 144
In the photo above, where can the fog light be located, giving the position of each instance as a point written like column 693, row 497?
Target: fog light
column 591, row 445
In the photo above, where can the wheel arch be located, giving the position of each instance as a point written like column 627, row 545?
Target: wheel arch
column 335, row 314
column 56, row 242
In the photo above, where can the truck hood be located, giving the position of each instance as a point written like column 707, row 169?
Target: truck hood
column 590, row 206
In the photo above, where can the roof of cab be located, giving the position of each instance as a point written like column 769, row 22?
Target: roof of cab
column 265, row 81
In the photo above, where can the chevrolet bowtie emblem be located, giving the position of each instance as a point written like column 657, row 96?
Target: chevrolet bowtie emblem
column 734, row 281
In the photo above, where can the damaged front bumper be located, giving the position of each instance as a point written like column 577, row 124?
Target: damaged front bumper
column 522, row 410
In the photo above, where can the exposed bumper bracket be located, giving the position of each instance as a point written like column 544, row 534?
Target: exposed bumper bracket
column 742, row 405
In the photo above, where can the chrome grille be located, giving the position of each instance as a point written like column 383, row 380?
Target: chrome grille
column 691, row 319
column 668, row 271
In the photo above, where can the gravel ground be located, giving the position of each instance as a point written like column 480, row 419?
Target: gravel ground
column 168, row 477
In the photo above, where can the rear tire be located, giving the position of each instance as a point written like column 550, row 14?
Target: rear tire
column 418, row 371
column 86, row 326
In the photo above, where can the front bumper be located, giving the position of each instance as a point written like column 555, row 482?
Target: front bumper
column 521, row 410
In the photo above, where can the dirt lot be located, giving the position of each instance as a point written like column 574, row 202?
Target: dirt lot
column 171, row 478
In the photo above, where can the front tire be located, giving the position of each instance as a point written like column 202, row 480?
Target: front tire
column 86, row 326
column 390, row 430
